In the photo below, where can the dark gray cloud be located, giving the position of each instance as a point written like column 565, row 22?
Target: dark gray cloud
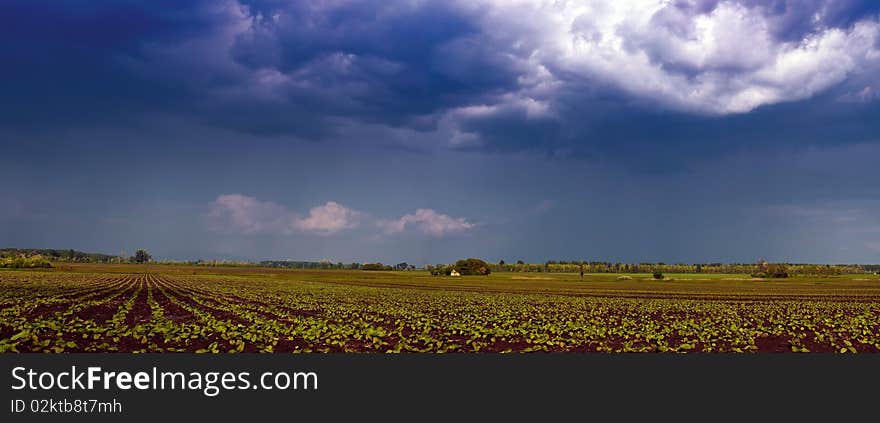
column 563, row 78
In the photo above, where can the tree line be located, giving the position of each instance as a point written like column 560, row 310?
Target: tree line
column 554, row 266
column 326, row 264
column 550, row 266
column 58, row 255
column 72, row 256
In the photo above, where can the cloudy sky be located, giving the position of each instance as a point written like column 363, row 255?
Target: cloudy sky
column 425, row 131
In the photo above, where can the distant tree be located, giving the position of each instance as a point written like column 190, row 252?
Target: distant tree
column 777, row 271
column 141, row 256
column 375, row 266
column 520, row 262
column 472, row 266
column 401, row 266
column 657, row 275
column 770, row 270
column 501, row 262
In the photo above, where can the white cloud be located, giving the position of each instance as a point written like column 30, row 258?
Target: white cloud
column 236, row 213
column 241, row 214
column 428, row 221
column 721, row 60
column 247, row 215
column 329, row 219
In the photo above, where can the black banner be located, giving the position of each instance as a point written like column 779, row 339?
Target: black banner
column 424, row 386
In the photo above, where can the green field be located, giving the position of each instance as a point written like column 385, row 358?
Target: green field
column 150, row 308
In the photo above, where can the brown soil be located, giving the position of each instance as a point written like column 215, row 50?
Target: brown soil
column 171, row 311
column 217, row 313
column 774, row 344
column 101, row 313
column 140, row 312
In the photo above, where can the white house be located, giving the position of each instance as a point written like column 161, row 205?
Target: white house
column 454, row 273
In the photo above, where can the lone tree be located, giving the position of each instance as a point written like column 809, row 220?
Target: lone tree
column 472, row 266
column 770, row 270
column 777, row 270
column 141, row 256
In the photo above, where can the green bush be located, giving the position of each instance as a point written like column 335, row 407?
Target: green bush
column 658, row 275
column 472, row 266
column 771, row 271
column 777, row 271
column 22, row 262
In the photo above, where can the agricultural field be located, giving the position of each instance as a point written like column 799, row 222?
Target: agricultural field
column 130, row 308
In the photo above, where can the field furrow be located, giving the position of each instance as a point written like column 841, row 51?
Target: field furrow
column 156, row 312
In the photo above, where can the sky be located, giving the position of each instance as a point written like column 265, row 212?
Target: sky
column 427, row 131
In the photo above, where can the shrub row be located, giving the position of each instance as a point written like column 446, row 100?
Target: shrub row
column 22, row 262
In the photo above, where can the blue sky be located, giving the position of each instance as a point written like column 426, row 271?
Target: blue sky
column 426, row 131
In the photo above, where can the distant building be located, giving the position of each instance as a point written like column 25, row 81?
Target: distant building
column 454, row 273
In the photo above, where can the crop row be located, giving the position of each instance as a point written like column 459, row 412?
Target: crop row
column 56, row 312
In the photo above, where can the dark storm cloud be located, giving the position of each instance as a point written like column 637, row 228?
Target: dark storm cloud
column 558, row 77
column 63, row 61
column 649, row 139
column 392, row 62
column 793, row 19
column 510, row 126
column 719, row 77
column 258, row 67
